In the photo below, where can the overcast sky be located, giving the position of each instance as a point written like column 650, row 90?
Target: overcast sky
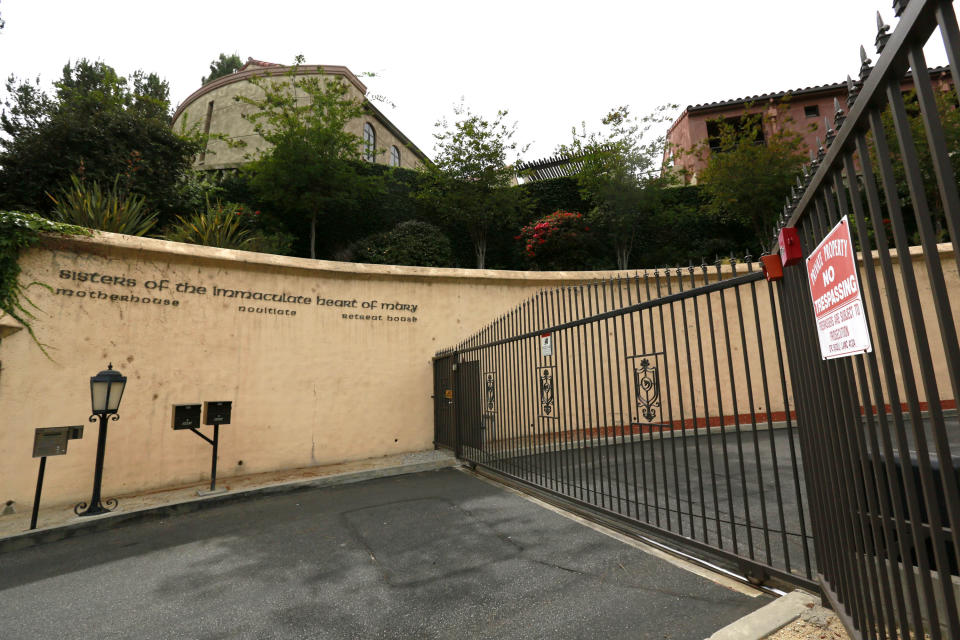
column 551, row 64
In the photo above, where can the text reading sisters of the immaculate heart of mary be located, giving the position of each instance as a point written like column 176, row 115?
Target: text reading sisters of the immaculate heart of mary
column 110, row 288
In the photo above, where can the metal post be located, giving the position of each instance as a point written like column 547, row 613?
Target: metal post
column 36, row 497
column 213, row 463
column 94, row 507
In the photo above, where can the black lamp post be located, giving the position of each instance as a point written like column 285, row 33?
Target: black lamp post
column 106, row 389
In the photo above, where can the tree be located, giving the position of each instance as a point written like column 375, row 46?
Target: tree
column 949, row 115
column 618, row 173
column 469, row 183
column 222, row 66
column 310, row 170
column 96, row 125
column 750, row 170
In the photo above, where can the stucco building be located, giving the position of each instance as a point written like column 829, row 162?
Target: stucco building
column 802, row 110
column 214, row 109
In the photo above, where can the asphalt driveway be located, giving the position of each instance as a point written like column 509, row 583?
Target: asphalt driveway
column 431, row 555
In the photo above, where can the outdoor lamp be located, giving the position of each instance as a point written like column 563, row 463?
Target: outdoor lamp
column 106, row 389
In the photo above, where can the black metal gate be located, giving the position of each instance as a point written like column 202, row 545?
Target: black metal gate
column 880, row 428
column 661, row 400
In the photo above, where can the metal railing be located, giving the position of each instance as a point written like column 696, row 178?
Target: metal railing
column 878, row 430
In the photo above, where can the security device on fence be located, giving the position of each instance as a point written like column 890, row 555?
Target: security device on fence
column 790, row 250
column 50, row 441
column 190, row 417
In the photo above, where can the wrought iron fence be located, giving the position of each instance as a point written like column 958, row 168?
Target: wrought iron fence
column 879, row 430
column 659, row 399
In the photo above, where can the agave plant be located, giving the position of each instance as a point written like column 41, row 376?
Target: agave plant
column 86, row 204
column 217, row 226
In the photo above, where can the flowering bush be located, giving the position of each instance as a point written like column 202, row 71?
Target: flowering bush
column 557, row 241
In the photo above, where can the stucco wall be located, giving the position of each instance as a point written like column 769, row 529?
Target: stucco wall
column 308, row 389
column 311, row 382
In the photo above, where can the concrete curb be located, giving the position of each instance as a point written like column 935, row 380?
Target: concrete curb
column 768, row 619
column 105, row 522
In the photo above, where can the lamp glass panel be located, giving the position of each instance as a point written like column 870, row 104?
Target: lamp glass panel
column 116, row 392
column 98, row 394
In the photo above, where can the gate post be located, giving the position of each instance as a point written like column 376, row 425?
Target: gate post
column 455, row 411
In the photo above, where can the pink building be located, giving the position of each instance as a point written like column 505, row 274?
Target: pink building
column 803, row 110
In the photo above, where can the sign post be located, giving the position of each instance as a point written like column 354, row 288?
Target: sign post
column 837, row 304
column 49, row 441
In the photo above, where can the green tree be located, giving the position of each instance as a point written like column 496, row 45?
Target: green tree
column 96, row 125
column 750, row 169
column 222, row 66
column 619, row 174
column 946, row 103
column 469, row 185
column 310, row 170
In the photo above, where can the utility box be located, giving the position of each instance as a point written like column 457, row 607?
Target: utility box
column 186, row 416
column 217, row 412
column 790, row 250
column 51, row 441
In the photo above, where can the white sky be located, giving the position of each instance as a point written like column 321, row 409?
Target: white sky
column 551, row 64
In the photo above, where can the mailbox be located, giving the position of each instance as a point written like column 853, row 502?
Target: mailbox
column 75, row 433
column 790, row 250
column 186, row 416
column 217, row 412
column 51, row 441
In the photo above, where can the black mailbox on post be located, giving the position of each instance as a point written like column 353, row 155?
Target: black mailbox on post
column 217, row 413
column 186, row 416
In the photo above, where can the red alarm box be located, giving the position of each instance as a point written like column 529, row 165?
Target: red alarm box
column 772, row 268
column 790, row 251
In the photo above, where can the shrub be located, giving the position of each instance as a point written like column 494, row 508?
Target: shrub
column 86, row 204
column 411, row 243
column 19, row 231
column 560, row 240
column 219, row 225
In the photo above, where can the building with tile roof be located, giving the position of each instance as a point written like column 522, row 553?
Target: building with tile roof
column 804, row 110
column 214, row 109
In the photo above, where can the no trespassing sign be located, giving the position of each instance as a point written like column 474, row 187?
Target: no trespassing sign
column 835, row 291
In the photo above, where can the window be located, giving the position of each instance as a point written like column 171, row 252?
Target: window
column 369, row 142
column 811, row 111
column 742, row 125
column 394, row 156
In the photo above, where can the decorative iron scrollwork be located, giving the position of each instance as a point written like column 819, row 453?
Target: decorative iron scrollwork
column 647, row 388
column 545, row 379
column 490, row 391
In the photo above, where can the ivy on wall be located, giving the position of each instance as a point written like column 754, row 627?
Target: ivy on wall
column 19, row 231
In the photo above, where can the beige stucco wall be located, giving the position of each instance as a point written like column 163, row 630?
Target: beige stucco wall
column 313, row 387
column 308, row 389
column 227, row 119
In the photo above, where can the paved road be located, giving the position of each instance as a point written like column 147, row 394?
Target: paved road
column 734, row 492
column 744, row 493
column 431, row 555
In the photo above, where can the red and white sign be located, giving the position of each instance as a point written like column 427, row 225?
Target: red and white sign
column 837, row 303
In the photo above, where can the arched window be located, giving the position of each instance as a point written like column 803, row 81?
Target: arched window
column 394, row 156
column 369, row 142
